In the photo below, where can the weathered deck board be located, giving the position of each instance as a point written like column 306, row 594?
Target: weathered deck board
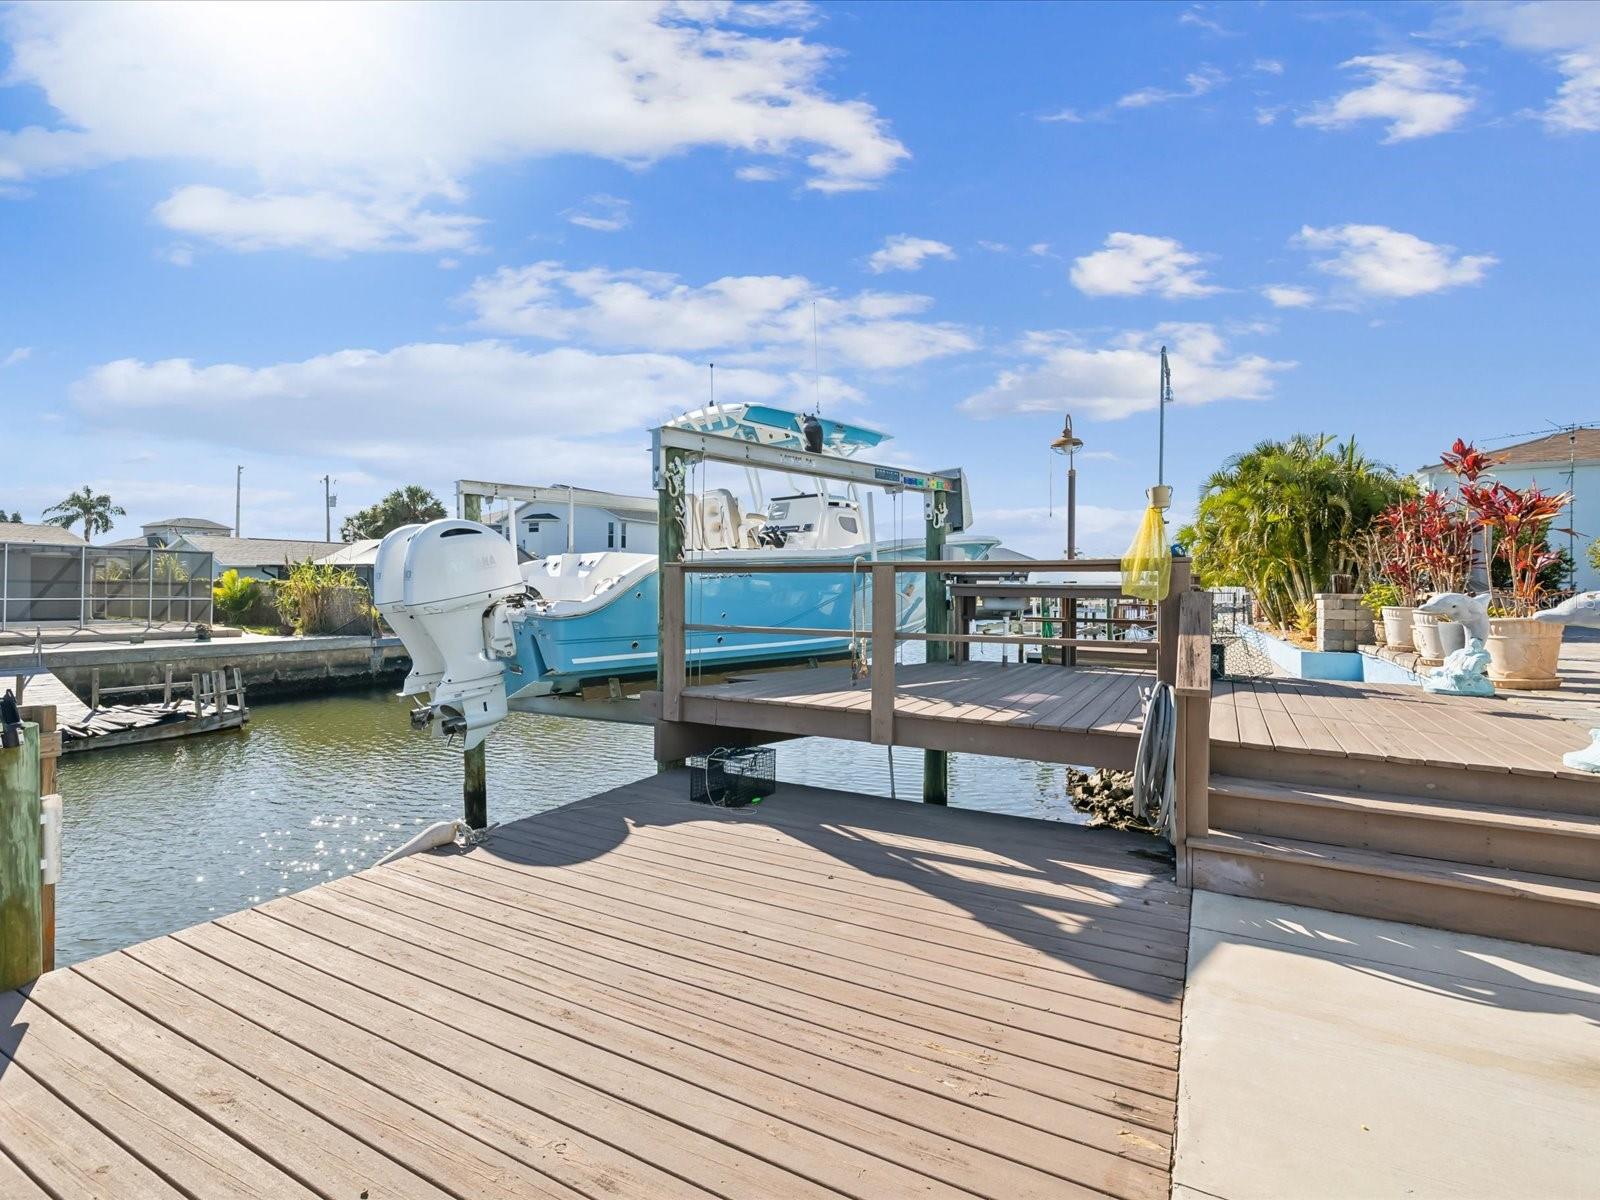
column 1393, row 723
column 634, row 995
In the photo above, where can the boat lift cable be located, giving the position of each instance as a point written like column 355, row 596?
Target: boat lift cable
column 1153, row 788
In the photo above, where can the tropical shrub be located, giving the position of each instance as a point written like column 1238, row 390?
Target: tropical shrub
column 1285, row 517
column 232, row 596
column 1519, row 520
column 322, row 598
column 1380, row 596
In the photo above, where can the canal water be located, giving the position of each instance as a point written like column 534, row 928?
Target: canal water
column 160, row 837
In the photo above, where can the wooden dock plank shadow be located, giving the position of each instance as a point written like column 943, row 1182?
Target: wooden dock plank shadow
column 828, row 995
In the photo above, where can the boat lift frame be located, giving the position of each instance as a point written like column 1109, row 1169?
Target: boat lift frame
column 946, row 510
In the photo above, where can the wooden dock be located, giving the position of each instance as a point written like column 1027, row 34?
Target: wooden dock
column 213, row 704
column 823, row 995
column 1035, row 711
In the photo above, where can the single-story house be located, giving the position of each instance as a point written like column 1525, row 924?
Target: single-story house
column 1567, row 460
column 255, row 558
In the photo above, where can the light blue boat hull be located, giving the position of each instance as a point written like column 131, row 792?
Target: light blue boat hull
column 562, row 653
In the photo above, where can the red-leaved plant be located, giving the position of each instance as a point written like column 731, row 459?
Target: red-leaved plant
column 1518, row 519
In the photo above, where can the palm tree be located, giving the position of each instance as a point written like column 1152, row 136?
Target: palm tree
column 93, row 508
column 1285, row 517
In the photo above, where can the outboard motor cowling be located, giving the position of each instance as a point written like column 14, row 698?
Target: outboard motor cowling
column 457, row 580
column 388, row 597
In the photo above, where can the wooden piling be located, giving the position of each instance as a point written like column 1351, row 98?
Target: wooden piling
column 21, row 914
column 936, row 603
column 475, row 778
column 44, row 715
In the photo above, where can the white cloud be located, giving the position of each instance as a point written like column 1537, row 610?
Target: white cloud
column 602, row 213
column 1267, row 66
column 994, row 247
column 1195, row 84
column 1067, row 116
column 902, row 252
column 758, row 174
column 1379, row 261
column 322, row 223
column 19, row 355
column 1133, row 264
column 422, row 406
column 758, row 318
column 1195, row 15
column 1040, row 249
column 1566, row 34
column 1284, row 295
column 1419, row 95
column 1120, row 378
column 359, row 125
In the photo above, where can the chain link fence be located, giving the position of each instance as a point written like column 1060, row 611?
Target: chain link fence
column 1233, row 611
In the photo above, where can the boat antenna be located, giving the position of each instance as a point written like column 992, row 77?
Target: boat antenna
column 711, row 380
column 816, row 364
column 1161, row 422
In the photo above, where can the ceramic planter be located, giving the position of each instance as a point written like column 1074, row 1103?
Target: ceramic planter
column 1435, row 638
column 1523, row 653
column 1397, row 626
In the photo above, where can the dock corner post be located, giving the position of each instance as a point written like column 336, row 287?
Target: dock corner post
column 671, row 645
column 936, row 603
column 1192, row 692
column 21, row 883
column 475, row 773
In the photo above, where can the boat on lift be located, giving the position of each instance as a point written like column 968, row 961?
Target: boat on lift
column 558, row 623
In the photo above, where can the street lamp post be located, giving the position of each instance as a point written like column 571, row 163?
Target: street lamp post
column 1068, row 444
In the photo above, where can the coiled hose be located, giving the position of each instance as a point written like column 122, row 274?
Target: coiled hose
column 1153, row 789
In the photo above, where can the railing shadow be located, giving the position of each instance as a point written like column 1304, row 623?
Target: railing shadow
column 1102, row 904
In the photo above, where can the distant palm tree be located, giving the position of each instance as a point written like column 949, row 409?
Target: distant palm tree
column 93, row 508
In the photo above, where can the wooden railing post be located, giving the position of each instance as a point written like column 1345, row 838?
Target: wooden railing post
column 884, row 619
column 1192, row 693
column 1167, row 622
column 673, row 653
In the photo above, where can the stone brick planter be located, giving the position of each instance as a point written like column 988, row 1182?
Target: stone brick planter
column 1343, row 622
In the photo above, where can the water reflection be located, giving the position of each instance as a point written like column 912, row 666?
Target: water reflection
column 161, row 837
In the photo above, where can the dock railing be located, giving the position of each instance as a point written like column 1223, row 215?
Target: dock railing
column 1191, row 690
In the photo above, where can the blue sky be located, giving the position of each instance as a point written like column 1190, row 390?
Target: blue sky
column 412, row 244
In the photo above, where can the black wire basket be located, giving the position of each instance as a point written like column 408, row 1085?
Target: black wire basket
column 733, row 778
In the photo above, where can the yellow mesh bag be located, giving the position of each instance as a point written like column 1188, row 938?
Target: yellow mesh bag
column 1147, row 566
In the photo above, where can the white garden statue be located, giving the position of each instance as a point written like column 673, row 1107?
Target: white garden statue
column 1464, row 672
column 1471, row 611
column 1582, row 610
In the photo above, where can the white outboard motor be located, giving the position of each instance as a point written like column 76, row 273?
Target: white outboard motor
column 388, row 597
column 459, row 576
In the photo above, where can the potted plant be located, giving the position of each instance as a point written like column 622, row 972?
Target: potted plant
column 1445, row 539
column 1393, row 556
column 1523, row 653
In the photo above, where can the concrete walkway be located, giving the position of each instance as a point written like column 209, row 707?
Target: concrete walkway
column 1334, row 1056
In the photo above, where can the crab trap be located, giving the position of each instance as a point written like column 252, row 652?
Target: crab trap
column 733, row 778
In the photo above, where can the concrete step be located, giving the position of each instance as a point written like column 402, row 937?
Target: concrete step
column 1474, row 832
column 1523, row 906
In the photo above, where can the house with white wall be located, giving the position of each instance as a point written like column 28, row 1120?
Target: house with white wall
column 1567, row 460
column 599, row 521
